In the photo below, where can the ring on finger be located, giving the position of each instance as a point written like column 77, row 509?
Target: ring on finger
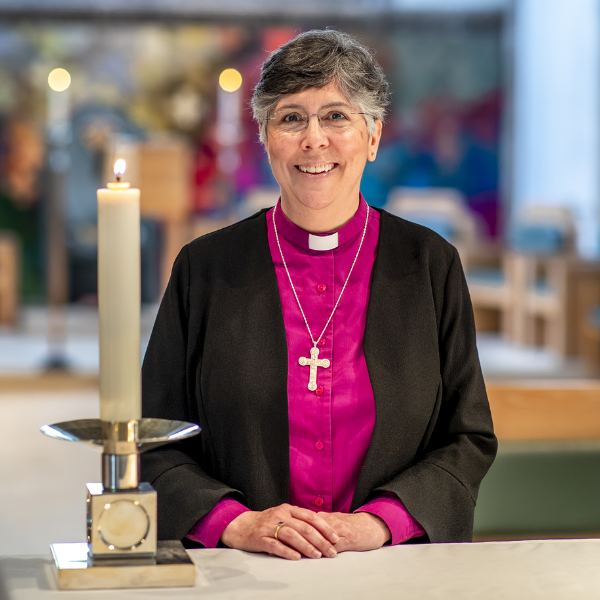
column 279, row 526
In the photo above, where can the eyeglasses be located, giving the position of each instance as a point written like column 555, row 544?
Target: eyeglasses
column 291, row 121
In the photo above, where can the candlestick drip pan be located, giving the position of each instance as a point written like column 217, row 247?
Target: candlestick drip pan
column 151, row 432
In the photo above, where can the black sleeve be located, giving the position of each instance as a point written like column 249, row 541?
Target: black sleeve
column 440, row 489
column 185, row 491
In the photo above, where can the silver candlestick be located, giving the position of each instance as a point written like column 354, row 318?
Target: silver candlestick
column 122, row 548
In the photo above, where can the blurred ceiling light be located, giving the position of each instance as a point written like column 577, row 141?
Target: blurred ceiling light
column 230, row 80
column 59, row 80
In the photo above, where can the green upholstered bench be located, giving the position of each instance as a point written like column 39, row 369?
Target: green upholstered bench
column 541, row 489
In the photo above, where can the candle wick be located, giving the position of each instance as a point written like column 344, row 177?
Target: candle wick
column 118, row 178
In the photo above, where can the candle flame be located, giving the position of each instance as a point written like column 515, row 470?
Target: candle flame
column 119, row 168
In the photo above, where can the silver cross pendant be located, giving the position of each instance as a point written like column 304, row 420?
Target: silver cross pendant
column 314, row 361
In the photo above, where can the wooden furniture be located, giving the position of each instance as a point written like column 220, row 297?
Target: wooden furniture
column 544, row 482
column 549, row 299
column 540, row 300
column 541, row 290
column 544, row 272
column 441, row 209
column 546, row 410
column 500, row 289
column 490, row 294
column 590, row 336
column 9, row 277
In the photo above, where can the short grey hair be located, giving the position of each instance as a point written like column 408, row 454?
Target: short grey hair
column 313, row 60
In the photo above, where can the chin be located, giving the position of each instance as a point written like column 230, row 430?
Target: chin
column 316, row 201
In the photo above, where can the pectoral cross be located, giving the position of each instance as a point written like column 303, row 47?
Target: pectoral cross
column 314, row 361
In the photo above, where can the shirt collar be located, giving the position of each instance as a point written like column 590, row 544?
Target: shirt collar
column 299, row 237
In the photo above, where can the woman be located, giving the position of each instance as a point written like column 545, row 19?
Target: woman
column 326, row 349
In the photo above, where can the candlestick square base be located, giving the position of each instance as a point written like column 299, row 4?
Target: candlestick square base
column 121, row 523
column 74, row 569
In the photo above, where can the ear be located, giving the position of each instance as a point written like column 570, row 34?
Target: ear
column 374, row 141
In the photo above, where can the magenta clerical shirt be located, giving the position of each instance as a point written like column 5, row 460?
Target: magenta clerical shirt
column 330, row 428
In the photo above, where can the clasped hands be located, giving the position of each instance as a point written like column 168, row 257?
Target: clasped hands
column 305, row 533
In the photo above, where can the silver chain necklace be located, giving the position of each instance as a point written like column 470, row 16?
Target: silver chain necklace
column 314, row 361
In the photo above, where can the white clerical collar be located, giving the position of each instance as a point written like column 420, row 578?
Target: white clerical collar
column 303, row 240
column 323, row 242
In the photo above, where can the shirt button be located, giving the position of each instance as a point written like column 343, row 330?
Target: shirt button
column 319, row 445
column 321, row 288
column 322, row 342
column 319, row 391
column 319, row 501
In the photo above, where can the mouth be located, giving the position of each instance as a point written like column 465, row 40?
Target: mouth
column 319, row 169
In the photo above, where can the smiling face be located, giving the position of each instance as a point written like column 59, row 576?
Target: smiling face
column 319, row 169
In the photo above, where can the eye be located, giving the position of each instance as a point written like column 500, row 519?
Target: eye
column 291, row 118
column 336, row 116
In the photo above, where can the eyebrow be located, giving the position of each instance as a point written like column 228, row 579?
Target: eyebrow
column 325, row 106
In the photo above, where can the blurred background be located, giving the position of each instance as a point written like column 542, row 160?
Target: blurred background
column 492, row 141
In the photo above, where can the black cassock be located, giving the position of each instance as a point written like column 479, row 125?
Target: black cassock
column 218, row 357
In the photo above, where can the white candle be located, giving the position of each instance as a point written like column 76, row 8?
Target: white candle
column 119, row 300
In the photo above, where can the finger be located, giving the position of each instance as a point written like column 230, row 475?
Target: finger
column 290, row 537
column 314, row 536
column 337, row 522
column 316, row 521
column 344, row 544
column 277, row 548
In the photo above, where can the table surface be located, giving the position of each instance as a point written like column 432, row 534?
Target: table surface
column 549, row 569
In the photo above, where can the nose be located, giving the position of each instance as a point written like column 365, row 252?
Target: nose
column 314, row 135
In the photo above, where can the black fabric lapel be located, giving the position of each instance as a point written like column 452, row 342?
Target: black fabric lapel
column 401, row 352
column 271, row 335
column 244, row 370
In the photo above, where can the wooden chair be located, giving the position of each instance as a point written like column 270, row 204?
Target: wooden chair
column 9, row 277
column 590, row 331
column 541, row 291
column 445, row 212
column 491, row 294
column 543, row 273
column 501, row 291
column 442, row 210
column 556, row 312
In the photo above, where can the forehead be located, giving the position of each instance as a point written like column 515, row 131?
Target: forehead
column 312, row 99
